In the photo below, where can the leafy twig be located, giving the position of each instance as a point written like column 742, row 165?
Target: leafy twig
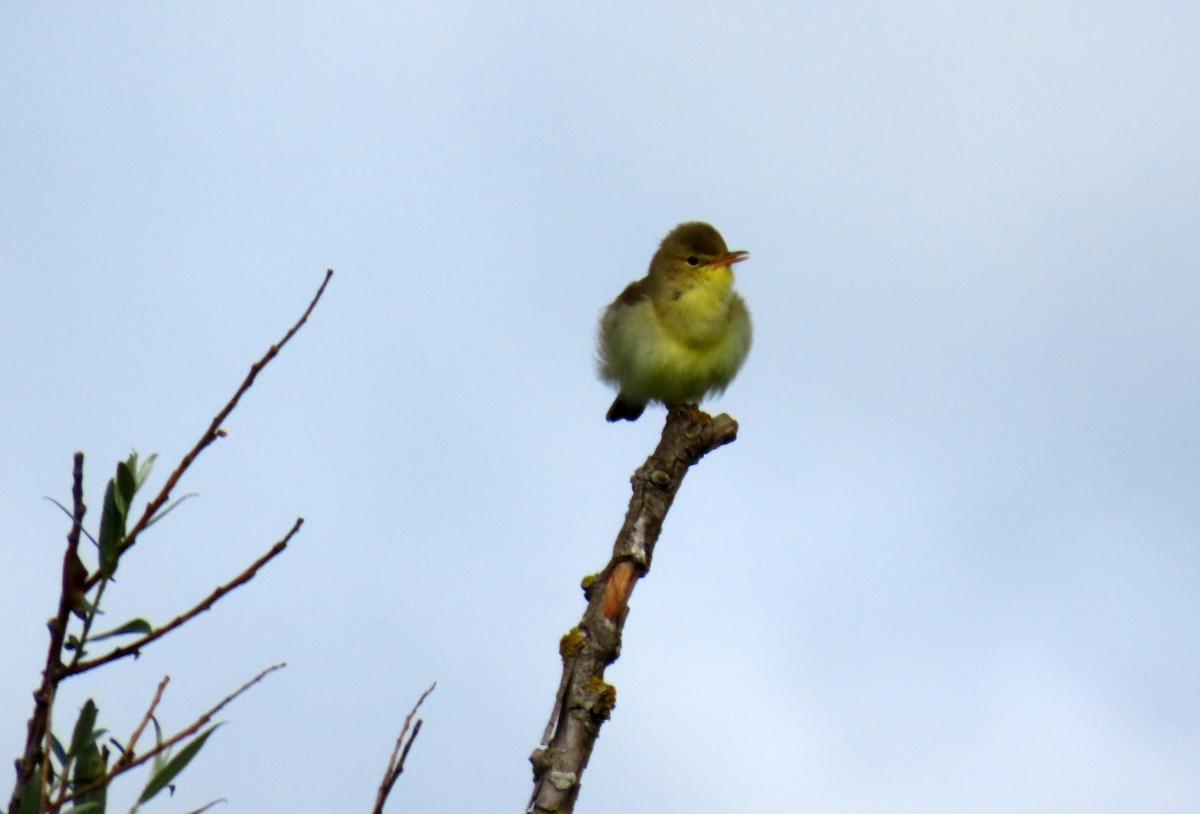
column 119, row 768
column 76, row 583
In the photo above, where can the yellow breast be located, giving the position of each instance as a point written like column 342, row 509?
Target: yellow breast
column 695, row 312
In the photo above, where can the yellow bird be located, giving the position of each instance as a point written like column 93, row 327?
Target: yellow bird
column 681, row 332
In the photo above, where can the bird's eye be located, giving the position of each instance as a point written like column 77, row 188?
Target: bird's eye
column 693, row 261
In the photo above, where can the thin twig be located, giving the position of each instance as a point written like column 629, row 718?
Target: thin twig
column 133, row 648
column 127, row 755
column 89, row 618
column 192, row 729
column 214, row 430
column 399, row 754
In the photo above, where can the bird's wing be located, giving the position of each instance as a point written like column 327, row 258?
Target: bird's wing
column 634, row 293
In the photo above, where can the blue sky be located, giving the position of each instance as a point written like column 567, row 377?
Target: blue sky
column 952, row 562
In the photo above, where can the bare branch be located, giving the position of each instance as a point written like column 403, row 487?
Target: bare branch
column 214, row 430
column 134, row 647
column 400, row 753
column 584, row 699
column 128, row 754
column 43, row 697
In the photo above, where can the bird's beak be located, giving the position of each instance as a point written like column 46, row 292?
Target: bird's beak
column 729, row 258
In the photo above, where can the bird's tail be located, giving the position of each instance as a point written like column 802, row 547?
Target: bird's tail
column 622, row 409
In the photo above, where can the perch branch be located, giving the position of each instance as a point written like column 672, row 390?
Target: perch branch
column 584, row 699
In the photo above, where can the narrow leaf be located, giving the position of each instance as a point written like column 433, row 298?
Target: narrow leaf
column 112, row 530
column 85, row 725
column 159, row 780
column 160, row 759
column 90, row 766
column 171, row 508
column 143, row 471
column 57, row 748
column 126, row 485
column 204, row 808
column 120, row 747
column 138, row 625
column 31, row 794
column 70, row 516
column 93, row 807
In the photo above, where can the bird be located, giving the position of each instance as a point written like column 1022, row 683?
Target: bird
column 681, row 332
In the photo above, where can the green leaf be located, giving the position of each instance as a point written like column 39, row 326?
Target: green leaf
column 85, row 725
column 31, row 794
column 90, row 764
column 119, row 746
column 138, row 625
column 126, row 485
column 164, row 775
column 143, row 471
column 57, row 748
column 162, row 757
column 112, row 530
column 92, row 807
column 170, row 508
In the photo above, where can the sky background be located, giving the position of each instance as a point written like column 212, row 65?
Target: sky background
column 952, row 562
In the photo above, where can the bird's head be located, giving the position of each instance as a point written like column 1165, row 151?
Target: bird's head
column 694, row 250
